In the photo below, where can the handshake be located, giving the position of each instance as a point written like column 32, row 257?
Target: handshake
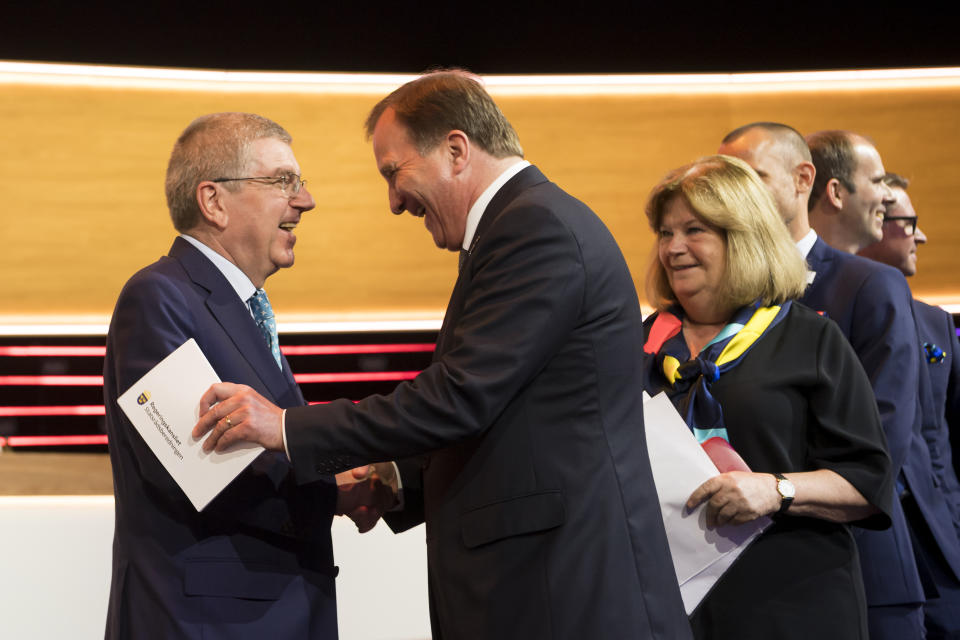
column 366, row 493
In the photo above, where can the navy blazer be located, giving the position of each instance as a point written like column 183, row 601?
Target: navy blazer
column 257, row 562
column 871, row 303
column 542, row 519
column 936, row 489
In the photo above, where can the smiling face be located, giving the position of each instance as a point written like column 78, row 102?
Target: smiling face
column 425, row 185
column 898, row 249
column 864, row 207
column 693, row 255
column 261, row 219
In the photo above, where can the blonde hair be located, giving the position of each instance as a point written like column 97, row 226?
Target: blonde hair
column 762, row 261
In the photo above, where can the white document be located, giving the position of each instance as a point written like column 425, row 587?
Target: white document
column 680, row 465
column 164, row 405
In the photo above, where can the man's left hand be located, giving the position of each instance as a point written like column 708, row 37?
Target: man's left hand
column 236, row 413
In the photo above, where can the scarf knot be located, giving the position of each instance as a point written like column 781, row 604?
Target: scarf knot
column 688, row 380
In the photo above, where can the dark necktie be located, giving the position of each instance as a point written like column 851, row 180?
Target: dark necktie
column 263, row 314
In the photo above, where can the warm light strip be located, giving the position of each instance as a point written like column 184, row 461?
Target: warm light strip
column 55, row 441
column 379, row 84
column 366, row 376
column 360, row 326
column 51, row 381
column 52, row 352
column 44, row 329
column 56, row 502
column 293, row 350
column 353, row 326
column 95, row 381
column 77, row 410
column 344, row 349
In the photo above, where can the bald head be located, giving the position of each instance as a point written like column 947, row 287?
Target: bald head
column 780, row 157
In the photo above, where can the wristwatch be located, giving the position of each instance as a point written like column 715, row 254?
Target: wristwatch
column 786, row 490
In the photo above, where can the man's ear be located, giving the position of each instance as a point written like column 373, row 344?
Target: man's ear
column 803, row 176
column 834, row 193
column 212, row 207
column 457, row 147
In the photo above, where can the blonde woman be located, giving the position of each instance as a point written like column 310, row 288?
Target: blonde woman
column 744, row 363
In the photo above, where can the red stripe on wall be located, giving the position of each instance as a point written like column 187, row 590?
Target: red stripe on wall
column 54, row 441
column 370, row 376
column 76, row 410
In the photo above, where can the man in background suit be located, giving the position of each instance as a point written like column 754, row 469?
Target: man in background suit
column 541, row 513
column 933, row 502
column 257, row 561
column 870, row 303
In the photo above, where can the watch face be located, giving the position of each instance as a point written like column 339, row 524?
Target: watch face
column 786, row 488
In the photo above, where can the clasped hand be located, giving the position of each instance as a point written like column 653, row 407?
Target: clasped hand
column 366, row 493
column 736, row 497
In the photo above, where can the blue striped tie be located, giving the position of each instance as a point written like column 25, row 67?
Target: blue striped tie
column 263, row 314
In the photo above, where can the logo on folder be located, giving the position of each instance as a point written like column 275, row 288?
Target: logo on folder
column 143, row 397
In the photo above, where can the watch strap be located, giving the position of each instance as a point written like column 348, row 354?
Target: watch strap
column 785, row 499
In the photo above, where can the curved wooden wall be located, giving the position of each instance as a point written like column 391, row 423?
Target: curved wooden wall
column 81, row 174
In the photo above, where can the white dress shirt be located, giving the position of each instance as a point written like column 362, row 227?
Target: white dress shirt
column 476, row 211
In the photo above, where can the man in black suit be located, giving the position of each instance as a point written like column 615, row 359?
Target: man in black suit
column 933, row 503
column 836, row 179
column 533, row 478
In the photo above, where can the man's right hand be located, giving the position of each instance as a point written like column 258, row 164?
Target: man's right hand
column 366, row 493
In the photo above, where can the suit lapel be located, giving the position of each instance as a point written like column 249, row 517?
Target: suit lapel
column 818, row 258
column 820, row 261
column 509, row 192
column 234, row 316
column 526, row 178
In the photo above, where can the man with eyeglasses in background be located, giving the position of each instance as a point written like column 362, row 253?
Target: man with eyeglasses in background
column 935, row 538
column 257, row 561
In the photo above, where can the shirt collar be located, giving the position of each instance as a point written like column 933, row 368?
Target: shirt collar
column 237, row 278
column 476, row 211
column 805, row 244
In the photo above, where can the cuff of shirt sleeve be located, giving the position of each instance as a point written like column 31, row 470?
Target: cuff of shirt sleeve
column 399, row 505
column 283, row 432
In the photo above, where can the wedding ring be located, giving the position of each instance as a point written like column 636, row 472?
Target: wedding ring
column 227, row 419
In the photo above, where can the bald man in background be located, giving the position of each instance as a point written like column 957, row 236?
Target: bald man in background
column 871, row 304
column 933, row 509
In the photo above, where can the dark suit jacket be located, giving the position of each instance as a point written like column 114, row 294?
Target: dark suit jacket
column 257, row 561
column 871, row 304
column 542, row 519
column 929, row 470
column 798, row 401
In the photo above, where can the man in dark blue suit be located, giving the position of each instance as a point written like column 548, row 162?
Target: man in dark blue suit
column 846, row 199
column 532, row 473
column 933, row 501
column 257, row 561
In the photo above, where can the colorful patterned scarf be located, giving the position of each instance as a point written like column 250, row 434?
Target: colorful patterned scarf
column 688, row 381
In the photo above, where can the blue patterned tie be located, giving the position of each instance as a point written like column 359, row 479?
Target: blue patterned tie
column 263, row 314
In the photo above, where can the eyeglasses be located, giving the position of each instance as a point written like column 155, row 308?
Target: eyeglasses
column 289, row 182
column 909, row 223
